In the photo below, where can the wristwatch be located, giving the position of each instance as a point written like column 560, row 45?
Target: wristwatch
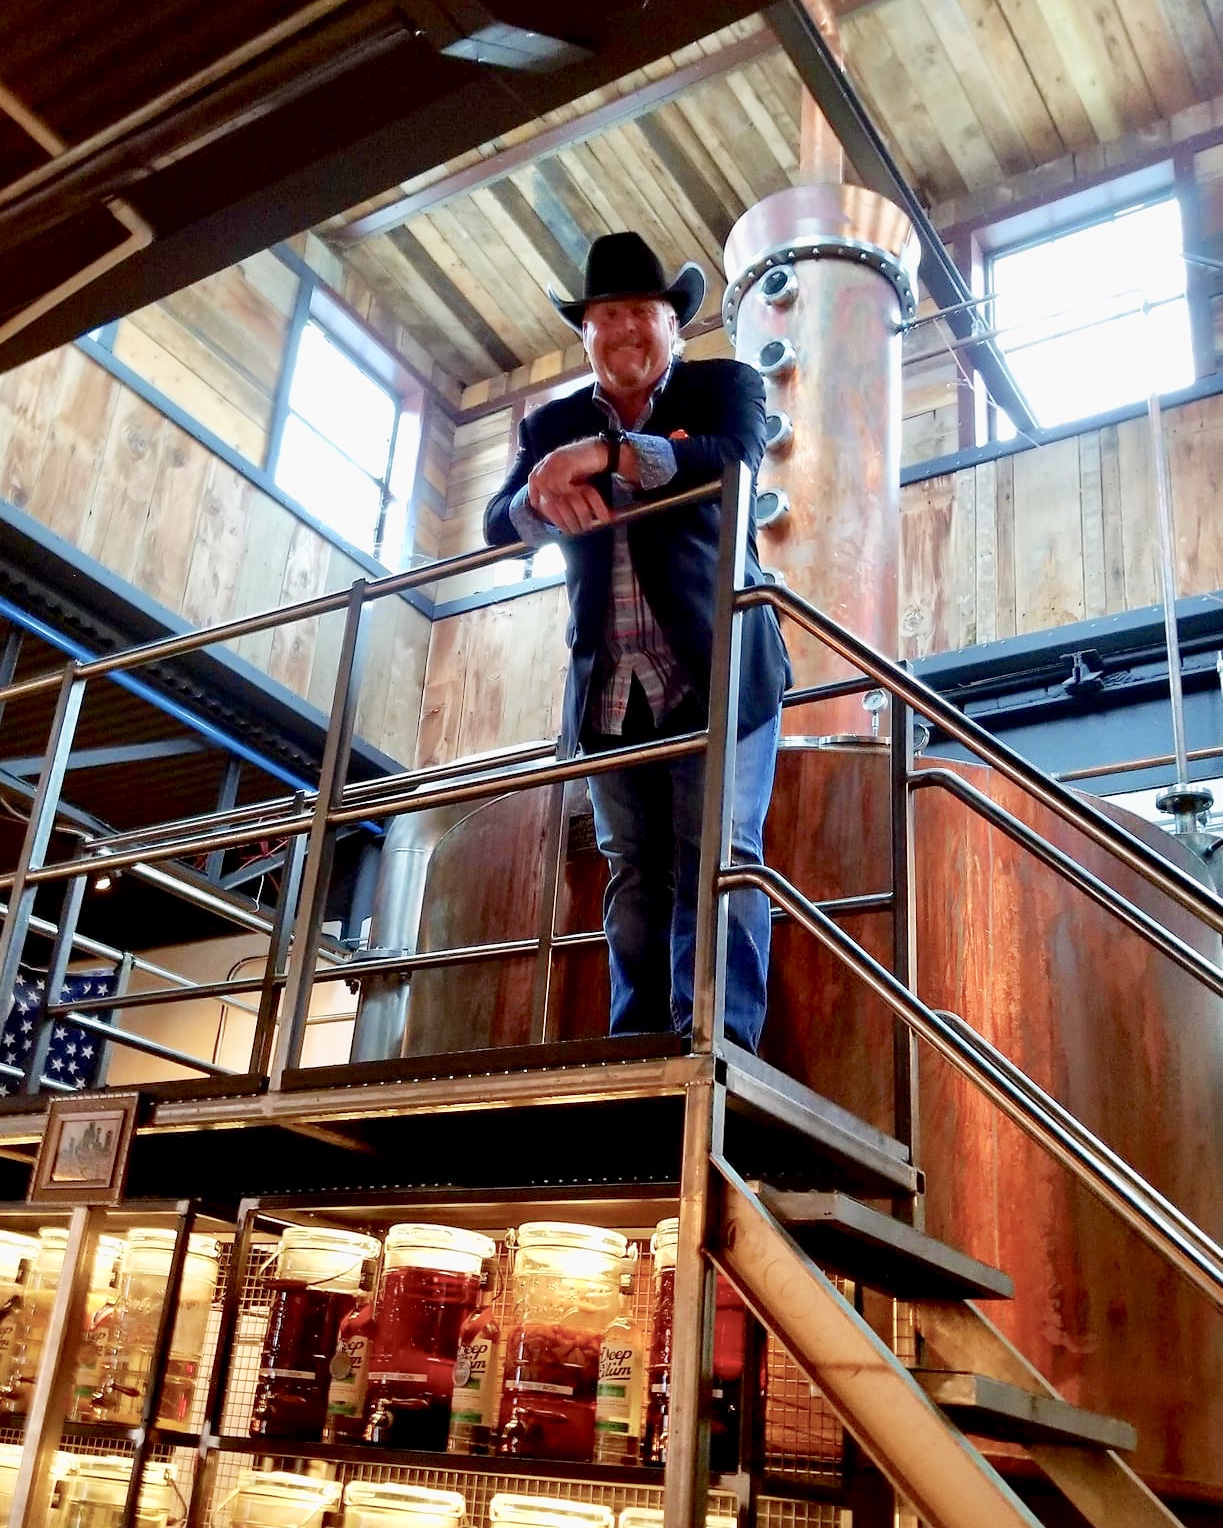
column 614, row 440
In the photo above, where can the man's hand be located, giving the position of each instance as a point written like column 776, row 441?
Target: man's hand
column 559, row 488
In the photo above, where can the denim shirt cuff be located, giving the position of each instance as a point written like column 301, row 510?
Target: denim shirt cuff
column 655, row 459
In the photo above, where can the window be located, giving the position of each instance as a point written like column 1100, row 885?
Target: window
column 347, row 450
column 1097, row 317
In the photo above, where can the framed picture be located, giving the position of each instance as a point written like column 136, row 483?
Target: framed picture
column 84, row 1151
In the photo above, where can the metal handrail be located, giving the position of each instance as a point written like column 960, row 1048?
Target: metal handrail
column 1157, row 1221
column 1142, row 923
column 1107, row 1175
column 1141, row 858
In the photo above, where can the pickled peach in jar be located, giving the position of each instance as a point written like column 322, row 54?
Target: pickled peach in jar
column 565, row 1291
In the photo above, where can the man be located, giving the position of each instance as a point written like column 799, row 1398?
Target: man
column 641, row 609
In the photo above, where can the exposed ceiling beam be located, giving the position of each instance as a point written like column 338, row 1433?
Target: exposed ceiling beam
column 878, row 172
column 599, row 120
column 107, row 758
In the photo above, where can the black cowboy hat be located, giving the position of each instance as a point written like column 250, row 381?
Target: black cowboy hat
column 623, row 265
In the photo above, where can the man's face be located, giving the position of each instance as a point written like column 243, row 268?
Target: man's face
column 629, row 342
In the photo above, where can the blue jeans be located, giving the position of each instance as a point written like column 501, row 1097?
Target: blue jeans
column 648, row 827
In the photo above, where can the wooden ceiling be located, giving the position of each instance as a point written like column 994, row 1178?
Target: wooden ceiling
column 966, row 94
column 145, row 147
column 163, row 143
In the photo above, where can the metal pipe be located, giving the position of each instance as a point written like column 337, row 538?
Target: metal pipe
column 52, row 1388
column 320, row 846
column 1167, row 578
column 906, row 1113
column 1176, row 883
column 148, row 1047
column 543, row 987
column 38, row 830
column 382, row 965
column 1094, row 771
column 709, row 958
column 74, row 897
column 527, row 779
column 182, row 91
column 686, row 1479
column 139, row 687
column 323, row 604
column 1142, row 923
column 276, row 965
column 1158, row 1222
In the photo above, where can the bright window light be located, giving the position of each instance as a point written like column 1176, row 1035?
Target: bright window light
column 341, row 401
column 548, row 559
column 324, row 481
column 349, row 447
column 1097, row 318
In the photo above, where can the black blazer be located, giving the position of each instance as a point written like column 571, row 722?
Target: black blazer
column 713, row 413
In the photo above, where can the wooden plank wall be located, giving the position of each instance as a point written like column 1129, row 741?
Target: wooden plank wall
column 482, row 452
column 93, row 462
column 1059, row 534
column 494, row 677
column 216, row 348
column 1063, row 533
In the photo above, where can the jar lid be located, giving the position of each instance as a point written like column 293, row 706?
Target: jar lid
column 198, row 1244
column 651, row 1517
column 405, row 1498
column 564, row 1233
column 422, row 1234
column 548, row 1512
column 666, row 1237
column 324, row 1238
column 279, row 1485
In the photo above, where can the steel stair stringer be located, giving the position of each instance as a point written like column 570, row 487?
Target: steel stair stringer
column 1097, row 1481
column 924, row 1456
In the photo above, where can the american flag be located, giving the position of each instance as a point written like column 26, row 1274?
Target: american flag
column 75, row 1055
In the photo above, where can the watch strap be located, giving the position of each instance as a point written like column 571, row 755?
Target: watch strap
column 614, row 440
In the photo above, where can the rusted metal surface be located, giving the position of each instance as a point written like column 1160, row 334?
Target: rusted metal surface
column 485, row 879
column 838, row 545
column 1111, row 1028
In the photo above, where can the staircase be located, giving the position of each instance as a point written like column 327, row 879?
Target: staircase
column 778, row 1246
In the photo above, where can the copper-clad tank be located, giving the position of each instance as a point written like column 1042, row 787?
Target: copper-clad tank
column 820, row 279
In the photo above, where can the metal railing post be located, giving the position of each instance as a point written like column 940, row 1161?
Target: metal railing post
column 555, row 840
column 320, row 848
column 276, row 965
column 60, row 1351
column 906, row 1122
column 686, row 1481
column 38, row 832
column 709, row 973
column 61, row 953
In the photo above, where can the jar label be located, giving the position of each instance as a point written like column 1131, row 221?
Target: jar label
column 287, row 1374
column 538, row 1387
column 400, row 1376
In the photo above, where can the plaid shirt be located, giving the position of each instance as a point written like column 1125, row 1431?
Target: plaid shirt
column 634, row 644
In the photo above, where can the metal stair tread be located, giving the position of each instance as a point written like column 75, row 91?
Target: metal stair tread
column 876, row 1249
column 856, row 1154
column 991, row 1408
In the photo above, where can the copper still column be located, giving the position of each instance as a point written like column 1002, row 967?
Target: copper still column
column 820, row 281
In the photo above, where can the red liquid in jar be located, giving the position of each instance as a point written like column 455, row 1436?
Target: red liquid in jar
column 548, row 1393
column 658, row 1371
column 294, row 1369
column 729, row 1339
column 419, row 1315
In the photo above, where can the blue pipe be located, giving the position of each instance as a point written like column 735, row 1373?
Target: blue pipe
column 213, row 733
